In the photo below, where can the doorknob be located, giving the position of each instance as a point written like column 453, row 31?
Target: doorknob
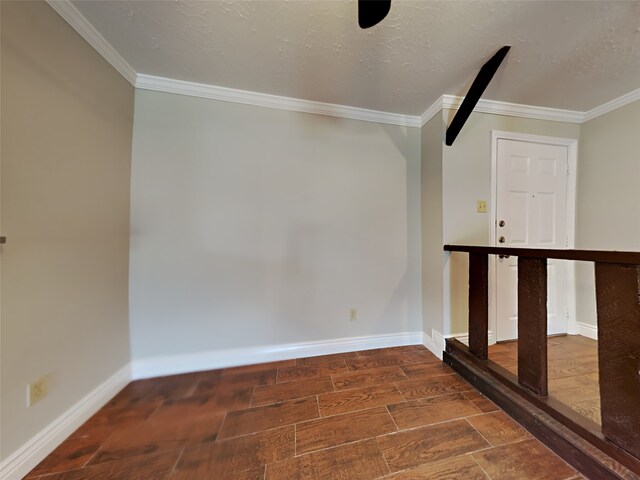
column 501, row 239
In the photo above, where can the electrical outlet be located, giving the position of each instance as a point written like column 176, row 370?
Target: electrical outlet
column 353, row 314
column 481, row 206
column 36, row 391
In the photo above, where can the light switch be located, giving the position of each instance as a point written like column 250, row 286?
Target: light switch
column 481, row 206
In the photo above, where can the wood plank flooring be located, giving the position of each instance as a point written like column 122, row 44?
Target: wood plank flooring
column 393, row 413
column 573, row 371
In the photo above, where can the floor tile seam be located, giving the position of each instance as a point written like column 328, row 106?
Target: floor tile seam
column 384, row 459
column 183, row 444
column 368, row 370
column 422, row 363
column 176, row 462
column 408, row 400
column 307, row 379
column 308, row 395
column 392, row 419
column 235, row 437
column 365, row 385
column 193, row 390
column 454, row 392
column 386, row 384
column 93, row 455
column 401, row 430
column 352, row 442
column 397, row 472
column 345, row 414
column 359, row 410
column 395, row 384
column 414, row 378
column 333, row 384
column 155, row 411
column 224, row 418
column 399, row 365
column 481, row 413
column 474, row 460
column 522, row 440
column 479, row 432
column 49, row 474
column 253, row 392
column 353, row 411
column 531, row 435
column 254, row 407
column 398, row 390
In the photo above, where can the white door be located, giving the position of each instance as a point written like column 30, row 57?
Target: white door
column 531, row 212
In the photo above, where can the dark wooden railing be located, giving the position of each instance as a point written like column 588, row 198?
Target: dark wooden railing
column 617, row 276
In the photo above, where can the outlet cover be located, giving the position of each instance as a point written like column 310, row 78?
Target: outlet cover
column 481, row 206
column 36, row 391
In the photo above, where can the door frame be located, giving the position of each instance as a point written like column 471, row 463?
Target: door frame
column 572, row 161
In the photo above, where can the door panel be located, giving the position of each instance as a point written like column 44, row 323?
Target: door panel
column 532, row 201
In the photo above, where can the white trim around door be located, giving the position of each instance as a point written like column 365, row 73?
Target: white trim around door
column 572, row 152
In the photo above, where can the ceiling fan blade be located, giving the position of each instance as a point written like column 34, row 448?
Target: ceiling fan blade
column 372, row 12
column 476, row 90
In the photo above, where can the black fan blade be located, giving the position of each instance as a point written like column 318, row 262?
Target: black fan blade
column 372, row 12
column 476, row 90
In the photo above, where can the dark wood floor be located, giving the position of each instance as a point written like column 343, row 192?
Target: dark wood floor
column 573, row 371
column 396, row 413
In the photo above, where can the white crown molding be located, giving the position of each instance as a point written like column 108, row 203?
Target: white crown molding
column 210, row 360
column 612, row 105
column 148, row 82
column 23, row 460
column 516, row 110
column 431, row 112
column 168, row 85
column 80, row 24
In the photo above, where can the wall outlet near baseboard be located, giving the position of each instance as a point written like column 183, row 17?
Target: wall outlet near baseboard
column 37, row 390
column 353, row 314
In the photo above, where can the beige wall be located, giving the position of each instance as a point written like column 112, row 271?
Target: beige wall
column 66, row 143
column 433, row 257
column 608, row 206
column 257, row 227
column 466, row 179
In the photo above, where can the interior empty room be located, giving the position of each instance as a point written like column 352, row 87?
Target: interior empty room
column 319, row 239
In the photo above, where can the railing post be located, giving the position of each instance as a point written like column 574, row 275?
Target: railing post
column 479, row 304
column 532, row 324
column 618, row 307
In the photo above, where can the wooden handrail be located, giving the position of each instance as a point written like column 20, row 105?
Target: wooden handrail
column 618, row 313
column 600, row 256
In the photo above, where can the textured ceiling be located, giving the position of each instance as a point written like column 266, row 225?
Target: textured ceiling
column 573, row 55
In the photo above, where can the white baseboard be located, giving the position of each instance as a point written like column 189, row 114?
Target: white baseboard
column 210, row 360
column 587, row 330
column 435, row 343
column 464, row 337
column 23, row 460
